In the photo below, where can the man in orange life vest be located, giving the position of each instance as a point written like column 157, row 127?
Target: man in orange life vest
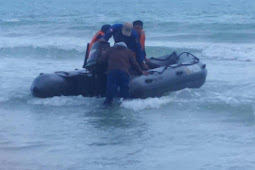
column 99, row 35
column 138, row 27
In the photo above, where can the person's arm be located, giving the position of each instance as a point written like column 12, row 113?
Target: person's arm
column 99, row 36
column 110, row 31
column 93, row 41
column 144, row 54
column 138, row 47
column 144, row 51
column 134, row 63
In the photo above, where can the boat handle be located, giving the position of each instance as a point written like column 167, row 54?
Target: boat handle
column 62, row 73
column 179, row 73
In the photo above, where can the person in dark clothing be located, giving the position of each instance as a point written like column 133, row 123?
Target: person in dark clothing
column 119, row 59
column 138, row 27
column 99, row 35
column 125, row 33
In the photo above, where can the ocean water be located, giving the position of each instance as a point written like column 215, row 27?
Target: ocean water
column 208, row 128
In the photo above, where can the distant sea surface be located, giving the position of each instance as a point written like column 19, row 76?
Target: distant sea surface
column 208, row 128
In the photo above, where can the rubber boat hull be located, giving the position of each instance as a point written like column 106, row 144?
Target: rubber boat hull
column 185, row 72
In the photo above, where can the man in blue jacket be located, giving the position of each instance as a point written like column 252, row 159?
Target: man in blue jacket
column 125, row 33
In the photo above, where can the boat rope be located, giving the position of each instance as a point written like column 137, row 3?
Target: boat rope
column 176, row 65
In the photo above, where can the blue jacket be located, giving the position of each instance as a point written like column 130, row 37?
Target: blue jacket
column 132, row 42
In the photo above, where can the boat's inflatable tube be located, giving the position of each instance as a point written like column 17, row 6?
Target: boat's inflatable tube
column 175, row 72
column 171, row 79
column 78, row 82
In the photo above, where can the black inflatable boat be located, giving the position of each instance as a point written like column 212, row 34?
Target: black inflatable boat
column 174, row 72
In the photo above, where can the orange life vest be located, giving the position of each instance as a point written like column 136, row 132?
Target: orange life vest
column 142, row 40
column 95, row 38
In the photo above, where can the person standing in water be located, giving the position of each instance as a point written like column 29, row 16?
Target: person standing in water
column 119, row 59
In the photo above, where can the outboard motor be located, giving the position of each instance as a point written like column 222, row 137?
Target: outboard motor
column 97, row 69
column 96, row 52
